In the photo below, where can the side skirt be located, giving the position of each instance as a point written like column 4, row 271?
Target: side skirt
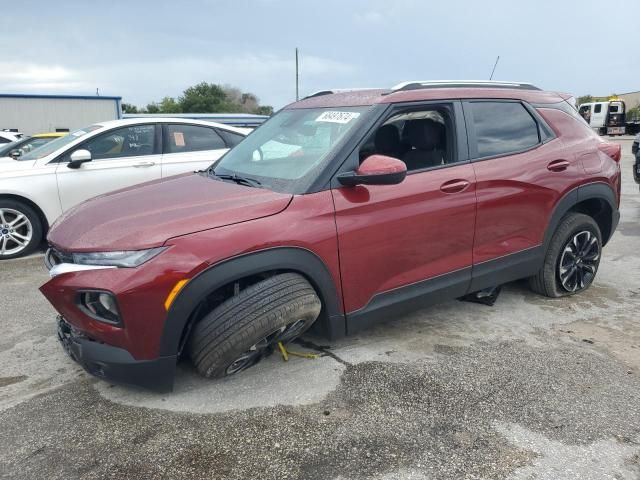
column 390, row 305
column 499, row 271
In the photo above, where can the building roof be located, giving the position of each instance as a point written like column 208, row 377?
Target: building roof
column 68, row 97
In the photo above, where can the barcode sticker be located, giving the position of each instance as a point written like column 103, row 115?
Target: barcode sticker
column 337, row 117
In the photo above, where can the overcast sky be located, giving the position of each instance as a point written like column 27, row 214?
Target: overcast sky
column 144, row 50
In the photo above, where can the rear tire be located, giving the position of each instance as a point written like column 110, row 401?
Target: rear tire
column 241, row 331
column 20, row 229
column 572, row 258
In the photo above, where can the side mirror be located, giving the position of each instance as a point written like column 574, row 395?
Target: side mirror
column 376, row 170
column 15, row 153
column 78, row 158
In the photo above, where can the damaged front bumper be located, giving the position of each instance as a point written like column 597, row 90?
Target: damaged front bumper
column 116, row 364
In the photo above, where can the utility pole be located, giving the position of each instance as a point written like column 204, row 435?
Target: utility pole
column 494, row 67
column 297, row 78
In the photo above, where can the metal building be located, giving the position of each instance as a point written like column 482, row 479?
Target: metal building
column 31, row 114
column 632, row 99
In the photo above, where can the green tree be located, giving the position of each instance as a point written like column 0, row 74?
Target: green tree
column 210, row 98
column 170, row 105
column 204, row 98
column 584, row 99
column 129, row 108
column 264, row 110
column 152, row 108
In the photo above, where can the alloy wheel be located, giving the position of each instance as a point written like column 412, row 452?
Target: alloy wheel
column 579, row 261
column 265, row 346
column 16, row 231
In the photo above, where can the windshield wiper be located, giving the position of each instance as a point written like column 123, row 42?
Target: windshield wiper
column 251, row 182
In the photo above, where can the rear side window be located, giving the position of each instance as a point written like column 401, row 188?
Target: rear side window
column 231, row 138
column 502, row 128
column 191, row 138
column 598, row 108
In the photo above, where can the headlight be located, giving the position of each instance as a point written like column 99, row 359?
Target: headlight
column 129, row 259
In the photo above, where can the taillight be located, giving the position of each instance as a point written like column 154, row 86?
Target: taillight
column 611, row 149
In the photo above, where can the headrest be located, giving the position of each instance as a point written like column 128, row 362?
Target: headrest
column 425, row 134
column 387, row 139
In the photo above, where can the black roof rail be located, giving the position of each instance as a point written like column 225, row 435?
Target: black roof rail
column 419, row 84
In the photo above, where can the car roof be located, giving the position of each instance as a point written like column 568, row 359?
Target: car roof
column 145, row 121
column 425, row 91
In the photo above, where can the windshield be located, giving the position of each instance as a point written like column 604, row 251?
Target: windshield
column 24, row 146
column 58, row 143
column 290, row 147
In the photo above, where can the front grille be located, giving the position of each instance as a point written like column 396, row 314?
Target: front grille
column 55, row 257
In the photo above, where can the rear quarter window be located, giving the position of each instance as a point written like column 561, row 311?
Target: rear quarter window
column 502, row 128
column 230, row 138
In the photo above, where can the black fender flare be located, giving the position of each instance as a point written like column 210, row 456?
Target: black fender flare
column 598, row 190
column 214, row 277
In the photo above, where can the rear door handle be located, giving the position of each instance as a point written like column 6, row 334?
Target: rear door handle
column 558, row 166
column 144, row 164
column 454, row 186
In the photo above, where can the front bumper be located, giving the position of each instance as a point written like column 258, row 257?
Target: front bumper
column 116, row 364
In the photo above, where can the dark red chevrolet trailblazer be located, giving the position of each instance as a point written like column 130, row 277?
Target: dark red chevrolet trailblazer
column 342, row 210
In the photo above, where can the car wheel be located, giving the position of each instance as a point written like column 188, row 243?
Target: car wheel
column 247, row 327
column 572, row 259
column 20, row 229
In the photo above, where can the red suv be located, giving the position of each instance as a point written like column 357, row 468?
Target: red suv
column 342, row 210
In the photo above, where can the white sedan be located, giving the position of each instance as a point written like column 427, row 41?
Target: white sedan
column 42, row 184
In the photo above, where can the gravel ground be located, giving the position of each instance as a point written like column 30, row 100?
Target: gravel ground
column 530, row 388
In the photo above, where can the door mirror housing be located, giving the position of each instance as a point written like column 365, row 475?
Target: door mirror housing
column 15, row 153
column 376, row 170
column 78, row 158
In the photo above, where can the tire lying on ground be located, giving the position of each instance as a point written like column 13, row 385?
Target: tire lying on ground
column 572, row 258
column 242, row 330
column 20, row 229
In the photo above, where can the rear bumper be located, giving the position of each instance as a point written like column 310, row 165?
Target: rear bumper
column 116, row 364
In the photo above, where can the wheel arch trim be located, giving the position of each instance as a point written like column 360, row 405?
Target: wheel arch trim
column 595, row 190
column 31, row 204
column 296, row 259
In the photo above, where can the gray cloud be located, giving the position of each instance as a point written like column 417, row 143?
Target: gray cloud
column 146, row 49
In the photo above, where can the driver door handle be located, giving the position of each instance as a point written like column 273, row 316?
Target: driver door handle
column 454, row 186
column 144, row 164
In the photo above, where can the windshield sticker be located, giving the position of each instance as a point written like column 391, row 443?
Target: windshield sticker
column 79, row 133
column 337, row 117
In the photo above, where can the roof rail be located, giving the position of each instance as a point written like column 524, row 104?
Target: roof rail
column 420, row 84
column 319, row 93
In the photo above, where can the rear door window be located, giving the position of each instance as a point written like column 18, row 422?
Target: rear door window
column 191, row 138
column 502, row 128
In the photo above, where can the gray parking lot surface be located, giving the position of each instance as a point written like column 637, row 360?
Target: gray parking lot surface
column 530, row 388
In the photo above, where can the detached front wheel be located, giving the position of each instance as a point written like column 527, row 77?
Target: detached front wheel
column 572, row 259
column 242, row 330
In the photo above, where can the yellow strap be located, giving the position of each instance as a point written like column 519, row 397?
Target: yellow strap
column 283, row 351
column 310, row 356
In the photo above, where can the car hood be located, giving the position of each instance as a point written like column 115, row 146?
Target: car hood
column 147, row 215
column 10, row 167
